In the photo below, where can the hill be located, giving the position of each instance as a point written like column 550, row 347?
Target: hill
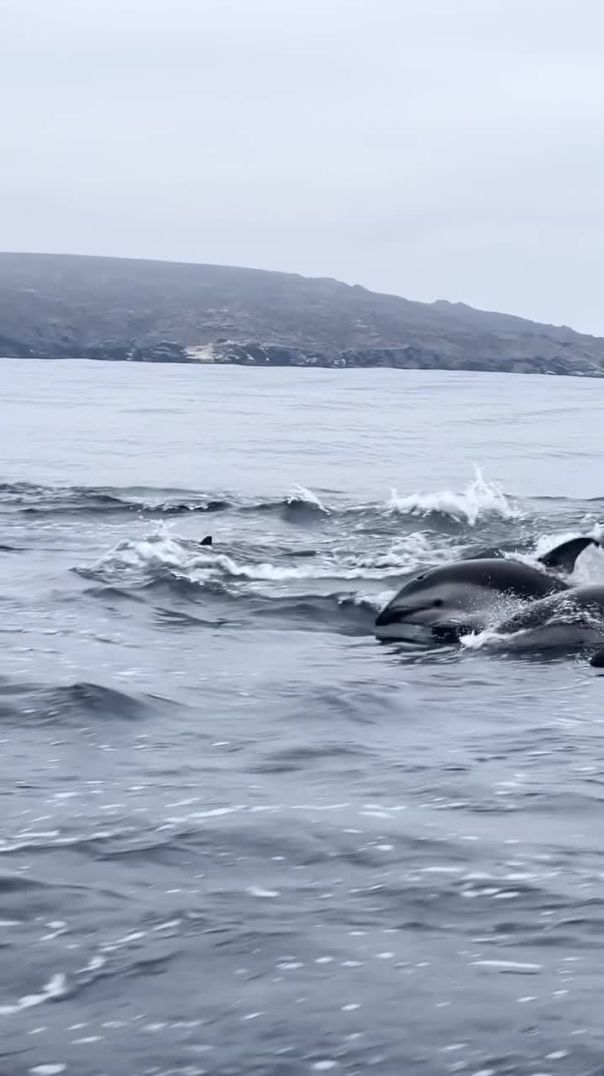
column 60, row 306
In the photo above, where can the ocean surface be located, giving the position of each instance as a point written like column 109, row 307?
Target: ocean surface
column 238, row 835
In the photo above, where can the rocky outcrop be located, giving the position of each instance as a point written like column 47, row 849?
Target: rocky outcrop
column 405, row 358
column 62, row 306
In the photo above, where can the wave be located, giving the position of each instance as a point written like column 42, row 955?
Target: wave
column 53, row 990
column 344, row 613
column 341, row 612
column 479, row 500
column 480, row 504
column 68, row 704
column 31, row 499
column 234, row 593
column 305, row 499
column 160, row 556
column 243, row 582
column 403, row 554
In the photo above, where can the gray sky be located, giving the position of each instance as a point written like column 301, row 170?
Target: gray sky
column 433, row 148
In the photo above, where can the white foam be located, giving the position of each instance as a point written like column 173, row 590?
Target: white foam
column 95, row 963
column 478, row 500
column 403, row 554
column 156, row 550
column 157, row 554
column 55, row 988
column 476, row 640
column 300, row 494
column 163, row 551
column 47, row 1070
column 257, row 891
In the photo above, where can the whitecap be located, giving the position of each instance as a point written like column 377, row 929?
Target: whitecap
column 47, row 1070
column 302, row 495
column 478, row 500
column 55, row 988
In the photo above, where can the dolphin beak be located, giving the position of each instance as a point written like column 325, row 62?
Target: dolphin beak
column 389, row 616
column 399, row 623
column 444, row 631
column 395, row 614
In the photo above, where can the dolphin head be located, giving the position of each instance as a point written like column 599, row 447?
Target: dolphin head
column 443, row 603
column 429, row 609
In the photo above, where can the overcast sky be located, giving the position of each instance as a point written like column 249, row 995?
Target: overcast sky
column 433, row 148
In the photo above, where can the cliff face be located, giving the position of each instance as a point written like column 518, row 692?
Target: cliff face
column 59, row 306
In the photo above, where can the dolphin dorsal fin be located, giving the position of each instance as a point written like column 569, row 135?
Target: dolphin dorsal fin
column 564, row 556
column 207, row 540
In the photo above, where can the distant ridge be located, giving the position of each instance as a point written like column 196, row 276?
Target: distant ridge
column 75, row 306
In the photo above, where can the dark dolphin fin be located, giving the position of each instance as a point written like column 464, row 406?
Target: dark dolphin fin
column 565, row 555
column 207, row 540
column 597, row 659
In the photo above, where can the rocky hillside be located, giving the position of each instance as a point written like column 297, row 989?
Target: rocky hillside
column 61, row 306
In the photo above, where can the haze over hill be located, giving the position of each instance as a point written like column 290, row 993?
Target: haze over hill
column 61, row 306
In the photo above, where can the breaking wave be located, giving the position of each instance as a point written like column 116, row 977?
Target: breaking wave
column 479, row 500
column 31, row 499
column 158, row 556
column 300, row 497
column 350, row 572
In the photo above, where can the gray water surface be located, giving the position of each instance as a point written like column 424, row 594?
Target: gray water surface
column 238, row 835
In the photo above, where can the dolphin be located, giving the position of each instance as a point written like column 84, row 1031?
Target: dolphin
column 571, row 618
column 597, row 659
column 444, row 603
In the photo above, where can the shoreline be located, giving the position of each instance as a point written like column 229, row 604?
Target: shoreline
column 540, row 367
